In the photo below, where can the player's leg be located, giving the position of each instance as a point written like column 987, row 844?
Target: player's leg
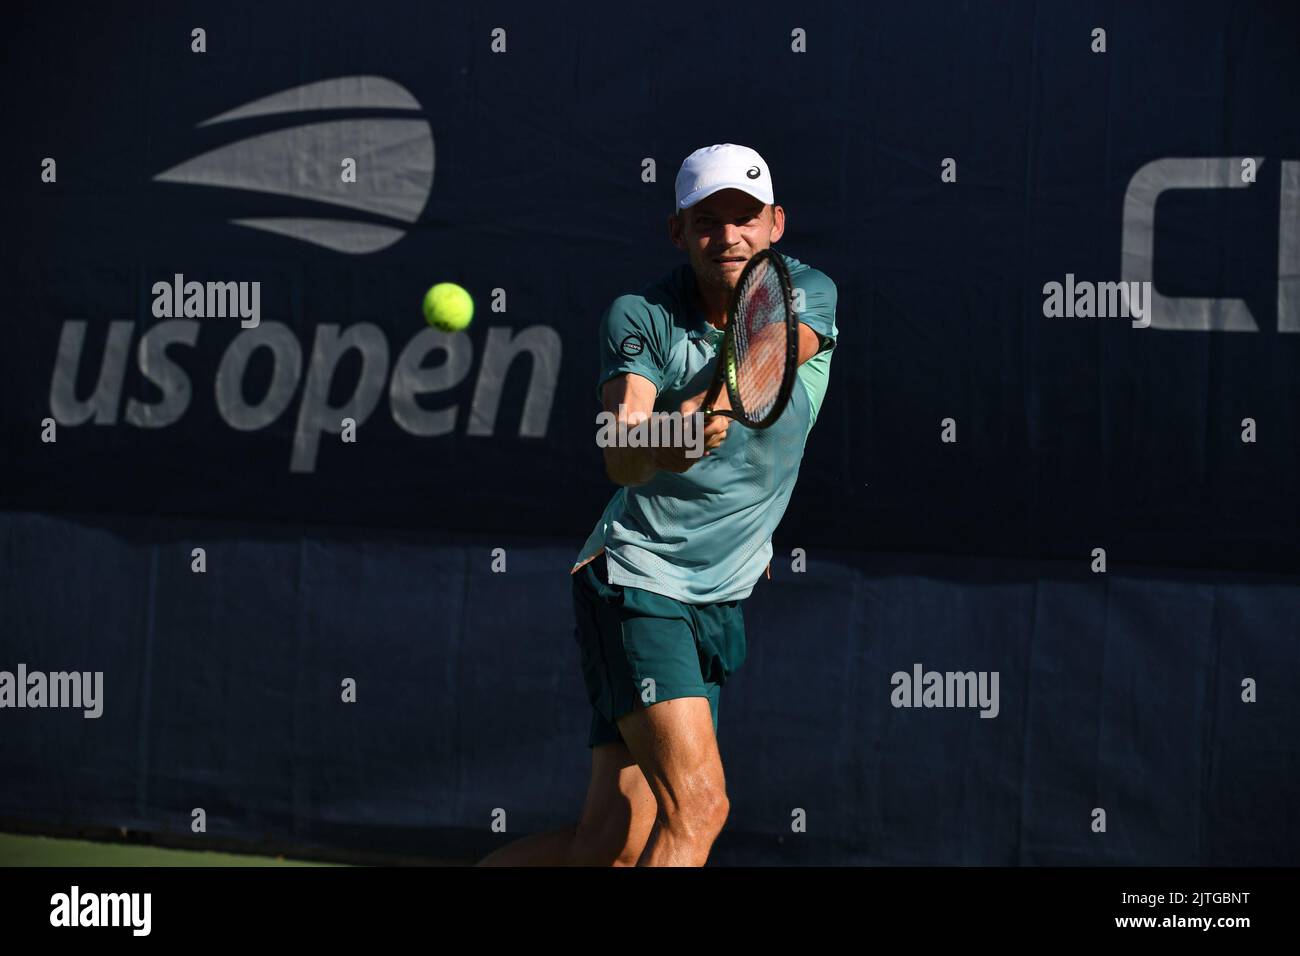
column 679, row 655
column 636, row 642
column 674, row 744
column 616, row 820
column 539, row 849
column 619, row 812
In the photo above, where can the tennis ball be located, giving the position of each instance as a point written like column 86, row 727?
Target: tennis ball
column 448, row 307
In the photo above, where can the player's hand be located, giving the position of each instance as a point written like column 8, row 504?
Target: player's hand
column 715, row 431
column 715, row 426
column 676, row 460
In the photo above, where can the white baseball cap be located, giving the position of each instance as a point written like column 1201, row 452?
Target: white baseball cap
column 725, row 166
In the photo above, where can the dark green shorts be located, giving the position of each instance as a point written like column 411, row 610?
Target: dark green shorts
column 628, row 636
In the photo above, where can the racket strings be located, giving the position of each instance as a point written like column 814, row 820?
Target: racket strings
column 760, row 341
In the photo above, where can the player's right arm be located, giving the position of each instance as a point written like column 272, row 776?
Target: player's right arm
column 634, row 344
column 631, row 398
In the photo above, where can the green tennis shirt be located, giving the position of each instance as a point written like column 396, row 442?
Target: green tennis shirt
column 704, row 535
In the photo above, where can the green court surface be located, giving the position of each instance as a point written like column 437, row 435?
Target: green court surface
column 51, row 851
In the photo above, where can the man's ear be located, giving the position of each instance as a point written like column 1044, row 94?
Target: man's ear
column 677, row 230
column 778, row 222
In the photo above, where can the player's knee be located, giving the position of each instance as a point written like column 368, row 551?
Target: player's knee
column 589, row 851
column 716, row 811
column 616, row 842
column 629, row 853
column 701, row 813
column 615, row 831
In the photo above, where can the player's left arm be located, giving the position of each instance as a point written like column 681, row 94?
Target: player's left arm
column 810, row 343
column 815, row 301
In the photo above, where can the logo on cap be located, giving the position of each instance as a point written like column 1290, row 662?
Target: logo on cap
column 753, row 172
column 632, row 346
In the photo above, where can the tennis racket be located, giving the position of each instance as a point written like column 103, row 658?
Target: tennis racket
column 760, row 351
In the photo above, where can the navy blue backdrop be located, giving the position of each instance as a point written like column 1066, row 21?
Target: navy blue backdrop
column 524, row 171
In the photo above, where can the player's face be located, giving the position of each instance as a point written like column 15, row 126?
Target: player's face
column 721, row 233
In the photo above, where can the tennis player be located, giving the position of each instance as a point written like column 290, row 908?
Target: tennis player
column 658, row 586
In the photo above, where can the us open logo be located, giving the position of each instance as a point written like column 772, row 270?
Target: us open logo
column 393, row 156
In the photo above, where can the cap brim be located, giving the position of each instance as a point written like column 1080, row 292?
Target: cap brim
column 704, row 192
